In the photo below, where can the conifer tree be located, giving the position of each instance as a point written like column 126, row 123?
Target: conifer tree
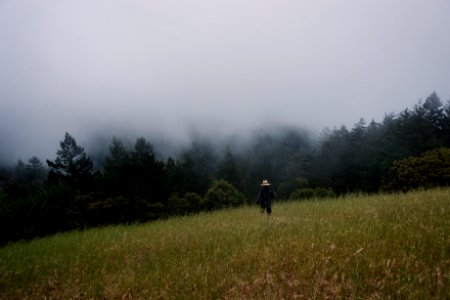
column 71, row 165
column 227, row 169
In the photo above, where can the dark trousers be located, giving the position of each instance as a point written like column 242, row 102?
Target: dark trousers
column 267, row 208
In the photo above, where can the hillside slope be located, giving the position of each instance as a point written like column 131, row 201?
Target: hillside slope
column 373, row 247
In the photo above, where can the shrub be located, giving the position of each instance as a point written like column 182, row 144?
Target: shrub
column 193, row 200
column 221, row 195
column 189, row 203
column 428, row 170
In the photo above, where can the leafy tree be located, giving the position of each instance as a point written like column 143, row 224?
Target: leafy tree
column 194, row 201
column 221, row 195
column 428, row 170
column 187, row 204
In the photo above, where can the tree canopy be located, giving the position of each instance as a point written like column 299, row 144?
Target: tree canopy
column 71, row 164
column 404, row 151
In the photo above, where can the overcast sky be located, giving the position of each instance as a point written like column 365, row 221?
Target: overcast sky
column 93, row 67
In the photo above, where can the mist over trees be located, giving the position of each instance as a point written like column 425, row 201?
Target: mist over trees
column 132, row 184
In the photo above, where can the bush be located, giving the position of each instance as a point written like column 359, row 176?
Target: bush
column 189, row 203
column 35, row 214
column 428, row 170
column 221, row 195
column 194, row 201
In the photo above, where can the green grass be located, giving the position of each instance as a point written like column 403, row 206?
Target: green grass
column 360, row 247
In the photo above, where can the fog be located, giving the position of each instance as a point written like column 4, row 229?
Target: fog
column 171, row 70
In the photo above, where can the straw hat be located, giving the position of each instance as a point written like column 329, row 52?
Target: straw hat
column 265, row 183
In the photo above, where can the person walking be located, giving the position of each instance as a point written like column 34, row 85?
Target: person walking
column 265, row 196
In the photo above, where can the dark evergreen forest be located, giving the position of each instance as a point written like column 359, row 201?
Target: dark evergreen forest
column 404, row 151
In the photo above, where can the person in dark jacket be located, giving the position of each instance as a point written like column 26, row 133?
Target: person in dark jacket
column 265, row 196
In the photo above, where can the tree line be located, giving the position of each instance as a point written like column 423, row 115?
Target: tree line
column 405, row 151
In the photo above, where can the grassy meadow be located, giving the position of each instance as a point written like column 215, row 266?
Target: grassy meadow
column 357, row 247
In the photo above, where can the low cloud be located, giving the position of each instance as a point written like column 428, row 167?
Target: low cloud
column 172, row 70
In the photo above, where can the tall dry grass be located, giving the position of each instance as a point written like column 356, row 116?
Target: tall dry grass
column 358, row 247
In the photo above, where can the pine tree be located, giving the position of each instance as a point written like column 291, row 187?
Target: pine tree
column 71, row 165
column 227, row 169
